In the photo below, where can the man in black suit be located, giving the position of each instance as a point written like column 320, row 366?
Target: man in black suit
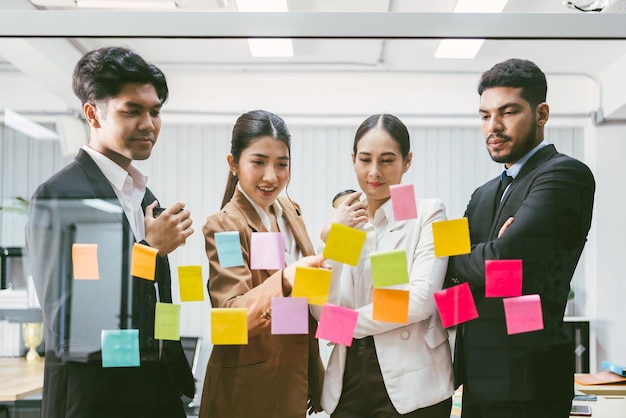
column 542, row 218
column 122, row 97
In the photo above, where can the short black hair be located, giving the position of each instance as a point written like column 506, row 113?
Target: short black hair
column 516, row 73
column 101, row 74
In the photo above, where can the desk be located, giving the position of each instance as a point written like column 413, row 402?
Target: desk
column 20, row 378
column 606, row 407
column 606, row 389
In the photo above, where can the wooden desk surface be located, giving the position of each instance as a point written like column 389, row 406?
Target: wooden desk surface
column 20, row 378
column 606, row 389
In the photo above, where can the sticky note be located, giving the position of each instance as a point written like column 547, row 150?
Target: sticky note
column 451, row 237
column 290, row 316
column 312, row 284
column 456, row 305
column 228, row 249
column 403, row 201
column 120, row 348
column 337, row 324
column 267, row 251
column 503, row 278
column 344, row 244
column 167, row 321
column 389, row 268
column 523, row 314
column 143, row 261
column 85, row 261
column 229, row 326
column 190, row 283
column 391, row 305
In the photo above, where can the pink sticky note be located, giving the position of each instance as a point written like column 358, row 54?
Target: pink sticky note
column 337, row 324
column 290, row 316
column 503, row 278
column 403, row 201
column 267, row 251
column 455, row 305
column 523, row 314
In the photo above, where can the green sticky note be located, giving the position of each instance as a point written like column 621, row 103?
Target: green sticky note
column 313, row 284
column 344, row 244
column 167, row 321
column 389, row 268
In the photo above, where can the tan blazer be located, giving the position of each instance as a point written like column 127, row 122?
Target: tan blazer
column 274, row 375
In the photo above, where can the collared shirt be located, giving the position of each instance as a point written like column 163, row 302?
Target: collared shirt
column 292, row 252
column 129, row 187
column 514, row 170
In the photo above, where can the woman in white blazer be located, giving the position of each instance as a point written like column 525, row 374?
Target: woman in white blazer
column 391, row 369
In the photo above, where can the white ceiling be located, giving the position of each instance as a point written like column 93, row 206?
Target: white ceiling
column 218, row 76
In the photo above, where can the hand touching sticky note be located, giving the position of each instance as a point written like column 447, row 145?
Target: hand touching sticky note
column 337, row 324
column 143, row 261
column 389, row 268
column 403, row 201
column 503, row 278
column 267, row 251
column 391, row 305
column 190, row 283
column 455, row 305
column 451, row 237
column 228, row 249
column 313, row 284
column 229, row 326
column 344, row 244
column 120, row 348
column 290, row 316
column 523, row 314
column 85, row 261
column 167, row 321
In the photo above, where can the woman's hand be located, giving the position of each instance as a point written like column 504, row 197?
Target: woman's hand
column 313, row 407
column 313, row 261
column 351, row 212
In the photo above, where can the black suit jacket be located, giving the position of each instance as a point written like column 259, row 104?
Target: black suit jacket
column 551, row 201
column 85, row 389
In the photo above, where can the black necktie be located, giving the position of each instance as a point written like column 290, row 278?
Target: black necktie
column 505, row 180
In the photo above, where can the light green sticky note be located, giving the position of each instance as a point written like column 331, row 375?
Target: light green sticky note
column 451, row 237
column 389, row 268
column 229, row 326
column 313, row 284
column 344, row 244
column 190, row 283
column 167, row 321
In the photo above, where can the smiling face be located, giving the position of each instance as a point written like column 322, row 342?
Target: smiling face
column 125, row 127
column 510, row 126
column 263, row 170
column 378, row 164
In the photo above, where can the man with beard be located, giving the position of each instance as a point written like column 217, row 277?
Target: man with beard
column 541, row 215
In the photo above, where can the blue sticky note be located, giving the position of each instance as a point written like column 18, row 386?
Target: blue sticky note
column 120, row 348
column 228, row 249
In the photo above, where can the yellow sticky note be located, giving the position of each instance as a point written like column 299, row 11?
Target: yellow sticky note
column 229, row 326
column 190, row 283
column 451, row 237
column 391, row 305
column 344, row 244
column 167, row 321
column 312, row 283
column 143, row 262
column 85, row 261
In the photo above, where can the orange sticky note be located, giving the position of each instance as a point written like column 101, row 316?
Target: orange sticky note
column 190, row 283
column 167, row 321
column 229, row 326
column 451, row 237
column 391, row 305
column 313, row 284
column 143, row 261
column 85, row 261
column 344, row 244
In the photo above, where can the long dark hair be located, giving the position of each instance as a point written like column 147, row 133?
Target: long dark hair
column 394, row 127
column 250, row 126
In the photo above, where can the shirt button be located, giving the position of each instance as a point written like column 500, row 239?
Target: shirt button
column 405, row 335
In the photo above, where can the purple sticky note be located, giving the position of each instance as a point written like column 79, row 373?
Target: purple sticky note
column 290, row 316
column 523, row 314
column 267, row 251
column 456, row 305
column 337, row 324
column 403, row 201
column 503, row 278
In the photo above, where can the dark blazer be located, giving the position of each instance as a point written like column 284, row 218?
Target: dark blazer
column 551, row 201
column 85, row 388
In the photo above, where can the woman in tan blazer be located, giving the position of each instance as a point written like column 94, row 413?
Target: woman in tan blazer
column 273, row 375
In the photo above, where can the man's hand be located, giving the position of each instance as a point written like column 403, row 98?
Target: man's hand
column 505, row 226
column 169, row 229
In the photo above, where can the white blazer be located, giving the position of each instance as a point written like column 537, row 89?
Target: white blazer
column 414, row 358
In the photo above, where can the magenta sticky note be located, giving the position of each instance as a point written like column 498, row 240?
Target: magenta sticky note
column 267, row 251
column 403, row 201
column 456, row 305
column 523, row 314
column 290, row 316
column 503, row 278
column 337, row 324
